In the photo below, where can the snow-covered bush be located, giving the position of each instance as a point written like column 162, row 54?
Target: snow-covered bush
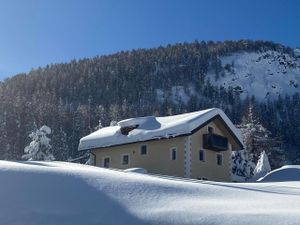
column 91, row 159
column 39, row 148
column 241, row 165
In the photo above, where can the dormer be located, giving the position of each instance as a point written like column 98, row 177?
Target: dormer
column 126, row 129
column 126, row 126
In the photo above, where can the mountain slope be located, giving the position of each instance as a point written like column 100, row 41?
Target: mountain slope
column 72, row 97
column 265, row 75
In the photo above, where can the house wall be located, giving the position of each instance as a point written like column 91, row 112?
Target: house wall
column 187, row 164
column 209, row 169
column 157, row 160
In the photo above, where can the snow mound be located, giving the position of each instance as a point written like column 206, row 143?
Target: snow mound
column 285, row 173
column 34, row 193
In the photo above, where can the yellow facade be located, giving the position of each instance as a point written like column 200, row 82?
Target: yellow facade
column 158, row 159
column 209, row 169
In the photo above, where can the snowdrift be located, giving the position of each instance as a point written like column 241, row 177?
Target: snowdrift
column 285, row 173
column 47, row 193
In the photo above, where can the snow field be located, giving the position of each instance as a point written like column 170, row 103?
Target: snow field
column 66, row 193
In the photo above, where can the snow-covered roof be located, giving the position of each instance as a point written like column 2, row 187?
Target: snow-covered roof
column 151, row 128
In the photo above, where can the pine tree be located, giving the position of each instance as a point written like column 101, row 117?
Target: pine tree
column 60, row 148
column 263, row 166
column 39, row 148
column 99, row 126
column 258, row 139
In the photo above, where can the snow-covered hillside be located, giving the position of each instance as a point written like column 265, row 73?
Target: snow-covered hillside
column 63, row 193
column 264, row 75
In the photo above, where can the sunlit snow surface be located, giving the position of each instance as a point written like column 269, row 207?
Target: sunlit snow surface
column 265, row 75
column 64, row 193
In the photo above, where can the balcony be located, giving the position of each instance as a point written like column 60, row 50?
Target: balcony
column 215, row 142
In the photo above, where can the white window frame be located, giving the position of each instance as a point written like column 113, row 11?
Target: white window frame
column 147, row 149
column 171, row 153
column 204, row 155
column 103, row 160
column 222, row 159
column 122, row 157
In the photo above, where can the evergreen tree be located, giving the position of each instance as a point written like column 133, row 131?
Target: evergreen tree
column 258, row 139
column 263, row 166
column 99, row 126
column 60, row 146
column 39, row 148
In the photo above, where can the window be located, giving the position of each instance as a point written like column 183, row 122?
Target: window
column 125, row 159
column 202, row 155
column 106, row 162
column 143, row 149
column 219, row 159
column 210, row 129
column 173, row 154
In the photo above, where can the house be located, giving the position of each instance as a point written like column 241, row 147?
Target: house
column 194, row 145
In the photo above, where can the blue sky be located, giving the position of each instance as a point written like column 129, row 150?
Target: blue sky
column 39, row 32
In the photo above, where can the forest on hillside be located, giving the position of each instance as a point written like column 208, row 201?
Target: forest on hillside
column 74, row 98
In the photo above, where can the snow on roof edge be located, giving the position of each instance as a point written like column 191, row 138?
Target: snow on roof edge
column 154, row 129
